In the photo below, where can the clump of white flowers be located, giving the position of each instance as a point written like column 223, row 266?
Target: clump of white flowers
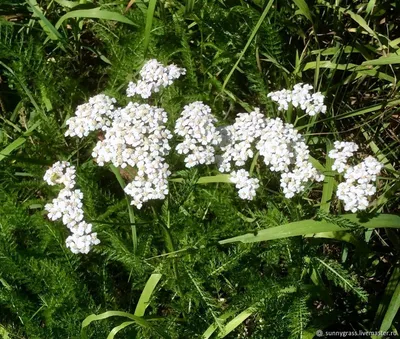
column 245, row 185
column 342, row 151
column 238, row 139
column 91, row 116
column 68, row 207
column 283, row 150
column 138, row 138
column 300, row 96
column 357, row 187
column 154, row 76
column 197, row 126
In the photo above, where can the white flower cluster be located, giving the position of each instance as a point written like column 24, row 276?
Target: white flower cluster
column 154, row 76
column 282, row 147
column 68, row 207
column 238, row 139
column 138, row 138
column 341, row 153
column 245, row 185
column 91, row 116
column 197, row 126
column 357, row 187
column 301, row 97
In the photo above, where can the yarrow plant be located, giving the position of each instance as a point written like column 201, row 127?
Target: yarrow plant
column 357, row 187
column 135, row 137
column 197, row 126
column 154, row 77
column 300, row 96
column 68, row 207
column 281, row 146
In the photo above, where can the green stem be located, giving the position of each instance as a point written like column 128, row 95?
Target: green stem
column 130, row 208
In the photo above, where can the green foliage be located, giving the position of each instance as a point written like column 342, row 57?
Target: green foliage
column 303, row 265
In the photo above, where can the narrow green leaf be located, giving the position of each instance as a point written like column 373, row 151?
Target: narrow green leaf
column 95, row 13
column 68, row 4
column 392, row 310
column 303, row 8
column 329, row 181
column 390, row 59
column 11, row 147
column 146, row 294
column 312, row 226
column 370, row 6
column 389, row 292
column 149, row 24
column 360, row 69
column 212, row 328
column 116, row 329
column 235, row 322
column 46, row 24
column 252, row 35
column 138, row 320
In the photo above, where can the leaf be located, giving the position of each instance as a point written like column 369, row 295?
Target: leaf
column 95, row 13
column 146, row 294
column 211, row 329
column 46, row 24
column 389, row 292
column 68, row 4
column 149, row 24
column 390, row 59
column 116, row 329
column 392, row 310
column 329, row 181
column 235, row 322
column 138, row 320
column 312, row 226
column 360, row 69
column 348, row 284
column 370, row 6
column 252, row 35
column 303, row 8
column 11, row 147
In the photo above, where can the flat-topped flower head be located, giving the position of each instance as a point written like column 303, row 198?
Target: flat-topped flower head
column 342, row 151
column 61, row 173
column 154, row 76
column 197, row 126
column 357, row 187
column 92, row 116
column 301, row 96
column 68, row 207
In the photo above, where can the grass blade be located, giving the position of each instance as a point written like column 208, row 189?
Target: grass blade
column 11, row 147
column 146, row 294
column 310, row 226
column 46, row 24
column 138, row 320
column 149, row 24
column 252, row 35
column 303, row 8
column 116, row 329
column 94, row 13
column 392, row 310
column 235, row 322
column 212, row 328
column 329, row 182
column 389, row 292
